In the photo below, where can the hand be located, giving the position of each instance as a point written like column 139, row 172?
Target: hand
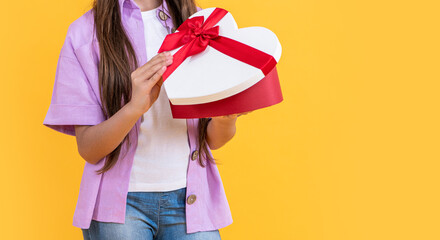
column 147, row 81
column 230, row 116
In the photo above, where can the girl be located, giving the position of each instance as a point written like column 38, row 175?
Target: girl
column 141, row 179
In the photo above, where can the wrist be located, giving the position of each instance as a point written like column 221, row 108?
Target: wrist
column 133, row 110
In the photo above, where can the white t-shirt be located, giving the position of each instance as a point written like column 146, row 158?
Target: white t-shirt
column 161, row 158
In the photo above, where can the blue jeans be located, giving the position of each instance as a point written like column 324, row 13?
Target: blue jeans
column 150, row 216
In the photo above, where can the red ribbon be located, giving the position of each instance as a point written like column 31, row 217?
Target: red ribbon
column 195, row 34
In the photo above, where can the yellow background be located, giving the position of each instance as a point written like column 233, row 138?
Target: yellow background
column 352, row 153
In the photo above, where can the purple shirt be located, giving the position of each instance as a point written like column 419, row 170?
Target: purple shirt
column 75, row 101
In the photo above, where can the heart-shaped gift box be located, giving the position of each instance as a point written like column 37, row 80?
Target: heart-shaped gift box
column 219, row 69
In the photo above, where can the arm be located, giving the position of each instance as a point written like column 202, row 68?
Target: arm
column 75, row 109
column 221, row 130
column 95, row 142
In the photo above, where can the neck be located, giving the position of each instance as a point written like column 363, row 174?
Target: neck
column 146, row 5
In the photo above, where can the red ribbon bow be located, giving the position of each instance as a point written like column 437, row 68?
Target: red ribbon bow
column 195, row 34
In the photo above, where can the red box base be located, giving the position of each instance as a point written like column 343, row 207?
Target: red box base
column 265, row 93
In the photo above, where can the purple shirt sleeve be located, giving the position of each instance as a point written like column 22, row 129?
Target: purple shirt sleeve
column 73, row 101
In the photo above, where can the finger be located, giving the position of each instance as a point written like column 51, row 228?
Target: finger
column 160, row 82
column 157, row 76
column 150, row 73
column 160, row 58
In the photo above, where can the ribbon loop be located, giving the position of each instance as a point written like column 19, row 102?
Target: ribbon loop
column 192, row 30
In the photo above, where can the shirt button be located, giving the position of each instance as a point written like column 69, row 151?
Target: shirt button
column 194, row 155
column 162, row 15
column 191, row 199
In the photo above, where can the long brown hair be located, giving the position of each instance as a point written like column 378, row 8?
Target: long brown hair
column 118, row 60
